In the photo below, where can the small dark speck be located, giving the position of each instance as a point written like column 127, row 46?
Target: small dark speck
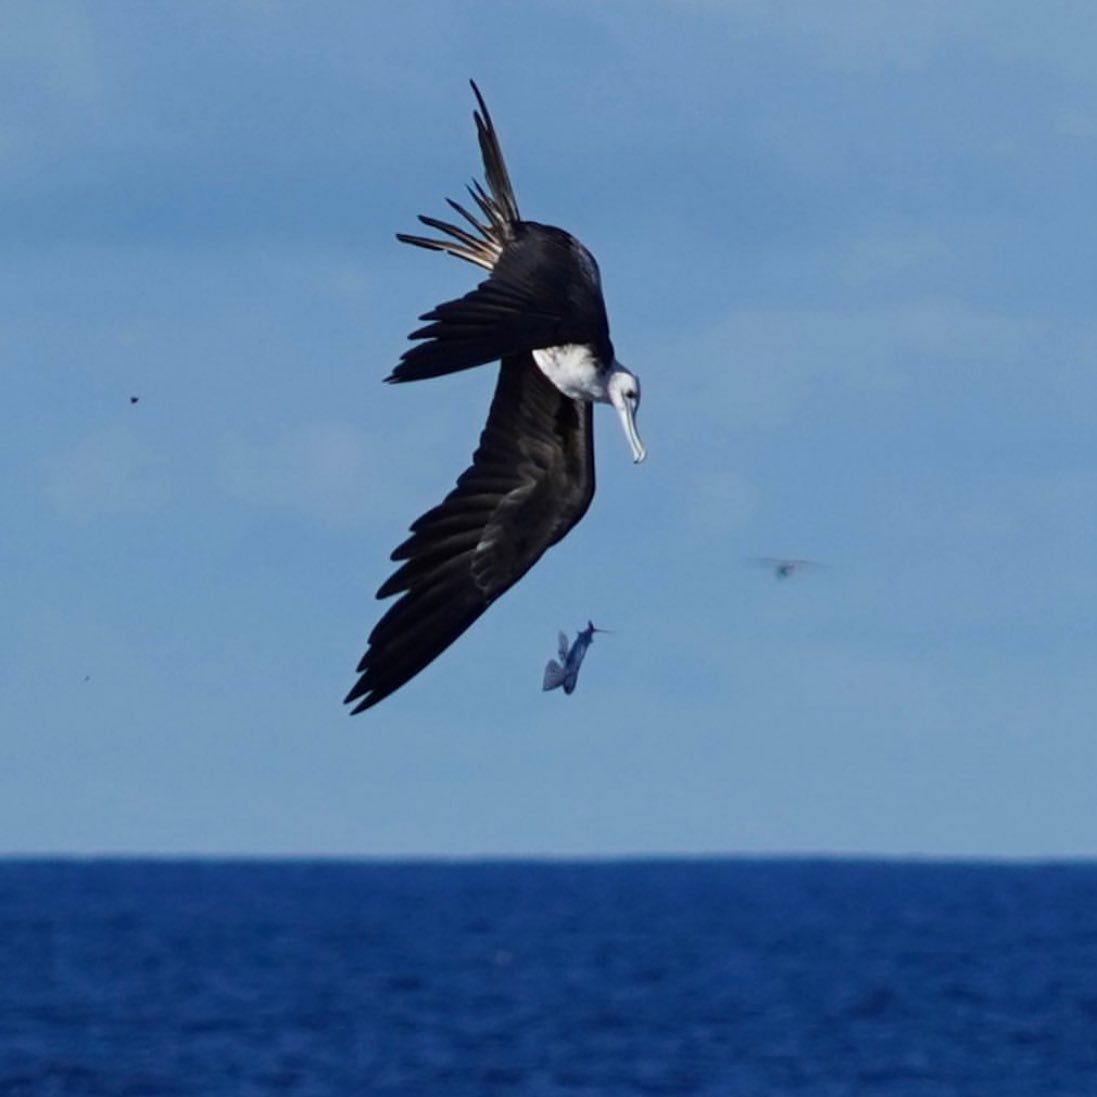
column 87, row 677
column 134, row 399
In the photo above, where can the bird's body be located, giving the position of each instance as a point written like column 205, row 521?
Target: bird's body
column 566, row 672
column 541, row 315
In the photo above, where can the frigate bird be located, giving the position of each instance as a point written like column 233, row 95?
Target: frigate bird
column 541, row 315
column 566, row 672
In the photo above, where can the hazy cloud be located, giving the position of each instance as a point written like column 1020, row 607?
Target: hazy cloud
column 108, row 473
column 318, row 470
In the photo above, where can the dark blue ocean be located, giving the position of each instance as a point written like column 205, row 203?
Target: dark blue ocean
column 714, row 977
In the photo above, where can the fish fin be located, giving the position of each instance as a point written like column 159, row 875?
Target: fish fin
column 554, row 675
column 562, row 646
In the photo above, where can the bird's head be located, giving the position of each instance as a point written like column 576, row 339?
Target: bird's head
column 623, row 390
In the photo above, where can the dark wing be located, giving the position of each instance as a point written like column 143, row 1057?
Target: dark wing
column 531, row 480
column 544, row 290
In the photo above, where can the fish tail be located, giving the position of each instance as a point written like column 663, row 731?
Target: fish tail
column 554, row 675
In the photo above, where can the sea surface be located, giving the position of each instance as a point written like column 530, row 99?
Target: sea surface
column 729, row 978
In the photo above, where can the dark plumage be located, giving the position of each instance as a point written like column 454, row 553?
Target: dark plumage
column 544, row 291
column 532, row 476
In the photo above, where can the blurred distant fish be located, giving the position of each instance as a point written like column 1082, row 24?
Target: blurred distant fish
column 566, row 671
column 784, row 567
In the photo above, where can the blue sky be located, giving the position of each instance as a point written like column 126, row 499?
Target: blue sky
column 849, row 248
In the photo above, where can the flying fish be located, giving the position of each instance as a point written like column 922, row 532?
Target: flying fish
column 566, row 671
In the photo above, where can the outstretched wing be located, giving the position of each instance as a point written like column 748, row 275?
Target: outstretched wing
column 530, row 482
column 544, row 290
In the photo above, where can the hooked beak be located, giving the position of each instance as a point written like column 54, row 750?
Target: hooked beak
column 628, row 423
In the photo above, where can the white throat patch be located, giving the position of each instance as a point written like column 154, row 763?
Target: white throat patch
column 573, row 369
